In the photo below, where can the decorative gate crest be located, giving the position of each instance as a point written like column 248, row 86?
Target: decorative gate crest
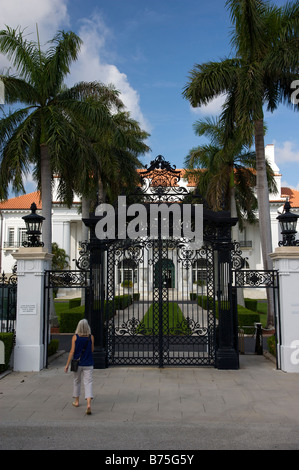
column 161, row 182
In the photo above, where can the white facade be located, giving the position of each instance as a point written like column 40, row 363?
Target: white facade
column 66, row 228
column 67, row 225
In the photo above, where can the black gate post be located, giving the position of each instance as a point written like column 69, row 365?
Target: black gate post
column 97, row 294
column 227, row 355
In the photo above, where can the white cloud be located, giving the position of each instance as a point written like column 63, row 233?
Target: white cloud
column 214, row 107
column 46, row 15
column 95, row 62
column 286, row 153
column 93, row 65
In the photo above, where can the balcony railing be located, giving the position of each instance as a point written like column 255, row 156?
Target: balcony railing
column 12, row 245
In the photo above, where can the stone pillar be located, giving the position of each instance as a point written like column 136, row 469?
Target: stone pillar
column 286, row 261
column 31, row 328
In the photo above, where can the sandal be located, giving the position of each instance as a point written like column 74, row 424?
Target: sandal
column 75, row 404
column 88, row 411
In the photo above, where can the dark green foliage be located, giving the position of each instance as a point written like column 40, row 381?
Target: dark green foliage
column 251, row 304
column 53, row 347
column 8, row 339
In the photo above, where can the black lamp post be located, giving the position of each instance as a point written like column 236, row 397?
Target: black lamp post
column 288, row 223
column 34, row 224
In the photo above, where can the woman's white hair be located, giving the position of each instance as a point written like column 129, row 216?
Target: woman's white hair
column 83, row 328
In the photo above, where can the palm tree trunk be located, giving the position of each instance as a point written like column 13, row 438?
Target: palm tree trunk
column 101, row 193
column 235, row 236
column 264, row 210
column 46, row 195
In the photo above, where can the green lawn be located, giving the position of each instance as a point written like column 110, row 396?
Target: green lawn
column 174, row 321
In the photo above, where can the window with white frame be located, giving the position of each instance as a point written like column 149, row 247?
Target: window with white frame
column 11, row 236
column 199, row 272
column 22, row 235
column 127, row 271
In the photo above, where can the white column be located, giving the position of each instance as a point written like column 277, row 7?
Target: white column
column 286, row 261
column 29, row 351
column 67, row 237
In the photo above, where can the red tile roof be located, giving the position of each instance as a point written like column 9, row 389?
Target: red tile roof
column 292, row 194
column 22, row 202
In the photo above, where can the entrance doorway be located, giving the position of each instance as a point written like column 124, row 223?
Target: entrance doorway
column 168, row 273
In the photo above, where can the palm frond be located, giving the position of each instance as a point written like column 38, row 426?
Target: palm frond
column 64, row 50
column 19, row 51
column 207, row 81
column 18, row 90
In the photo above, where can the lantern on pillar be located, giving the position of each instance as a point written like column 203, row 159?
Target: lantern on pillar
column 33, row 224
column 288, row 224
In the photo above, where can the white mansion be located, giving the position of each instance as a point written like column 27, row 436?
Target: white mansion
column 67, row 223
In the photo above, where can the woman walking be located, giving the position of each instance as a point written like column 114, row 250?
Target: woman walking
column 82, row 349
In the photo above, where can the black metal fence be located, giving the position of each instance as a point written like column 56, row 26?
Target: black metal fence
column 258, row 279
column 8, row 303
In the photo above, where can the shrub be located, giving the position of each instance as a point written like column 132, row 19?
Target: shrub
column 136, row 296
column 53, row 347
column 247, row 318
column 122, row 301
column 8, row 340
column 70, row 319
column 74, row 303
column 193, row 296
column 251, row 304
column 271, row 341
column 127, row 283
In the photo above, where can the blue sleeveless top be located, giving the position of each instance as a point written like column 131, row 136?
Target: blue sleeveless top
column 86, row 357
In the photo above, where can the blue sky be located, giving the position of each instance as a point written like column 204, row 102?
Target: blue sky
column 147, row 48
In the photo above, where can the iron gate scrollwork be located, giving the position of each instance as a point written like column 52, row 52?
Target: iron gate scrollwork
column 155, row 297
column 154, row 324
column 8, row 302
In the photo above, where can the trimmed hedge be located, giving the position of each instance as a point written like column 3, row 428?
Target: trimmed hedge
column 8, row 340
column 69, row 319
column 246, row 317
column 74, row 311
column 122, row 301
column 74, row 303
column 251, row 304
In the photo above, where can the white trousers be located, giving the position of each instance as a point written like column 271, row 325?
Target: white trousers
column 87, row 380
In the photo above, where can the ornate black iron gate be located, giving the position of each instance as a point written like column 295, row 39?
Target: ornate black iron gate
column 154, row 312
column 158, row 301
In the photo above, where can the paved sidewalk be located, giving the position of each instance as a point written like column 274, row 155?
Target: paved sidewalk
column 139, row 408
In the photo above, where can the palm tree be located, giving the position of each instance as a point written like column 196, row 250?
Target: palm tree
column 118, row 150
column 104, row 174
column 226, row 179
column 266, row 61
column 50, row 123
